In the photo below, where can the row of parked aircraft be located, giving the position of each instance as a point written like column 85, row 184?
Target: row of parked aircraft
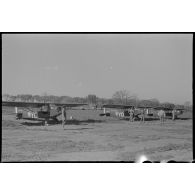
column 122, row 111
column 46, row 111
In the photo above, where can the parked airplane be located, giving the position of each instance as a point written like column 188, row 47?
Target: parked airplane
column 42, row 111
column 118, row 110
column 121, row 111
column 168, row 111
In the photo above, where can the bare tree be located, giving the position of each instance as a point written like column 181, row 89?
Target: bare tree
column 154, row 102
column 92, row 99
column 187, row 105
column 151, row 102
column 6, row 97
column 168, row 105
column 123, row 97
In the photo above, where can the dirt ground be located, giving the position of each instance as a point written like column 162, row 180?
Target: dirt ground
column 90, row 137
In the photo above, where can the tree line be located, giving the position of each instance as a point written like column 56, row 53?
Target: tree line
column 119, row 97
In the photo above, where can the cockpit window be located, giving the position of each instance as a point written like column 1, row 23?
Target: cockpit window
column 52, row 106
column 44, row 108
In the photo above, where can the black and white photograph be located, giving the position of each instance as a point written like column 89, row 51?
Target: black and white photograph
column 97, row 97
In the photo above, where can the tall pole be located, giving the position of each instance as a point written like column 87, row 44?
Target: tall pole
column 63, row 116
column 16, row 110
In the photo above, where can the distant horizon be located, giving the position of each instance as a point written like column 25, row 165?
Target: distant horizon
column 148, row 65
column 139, row 99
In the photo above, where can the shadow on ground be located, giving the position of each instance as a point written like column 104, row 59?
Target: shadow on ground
column 146, row 119
column 183, row 118
column 83, row 122
column 83, row 128
column 78, row 122
column 68, row 122
column 32, row 124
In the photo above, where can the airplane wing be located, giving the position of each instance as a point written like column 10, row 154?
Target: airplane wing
column 119, row 106
column 69, row 104
column 23, row 104
column 37, row 104
column 142, row 107
column 182, row 109
column 161, row 108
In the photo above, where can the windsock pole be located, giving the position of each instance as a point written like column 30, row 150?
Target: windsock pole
column 16, row 110
column 63, row 116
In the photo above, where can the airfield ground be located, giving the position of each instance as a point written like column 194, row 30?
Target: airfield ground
column 93, row 138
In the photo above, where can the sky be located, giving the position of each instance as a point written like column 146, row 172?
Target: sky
column 148, row 65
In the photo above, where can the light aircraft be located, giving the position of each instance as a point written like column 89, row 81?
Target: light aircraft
column 118, row 110
column 121, row 111
column 40, row 111
column 168, row 111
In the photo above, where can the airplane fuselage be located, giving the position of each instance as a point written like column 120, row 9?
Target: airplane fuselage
column 149, row 113
column 41, row 111
column 119, row 113
column 26, row 114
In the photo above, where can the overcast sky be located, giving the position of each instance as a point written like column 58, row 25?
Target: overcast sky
column 148, row 65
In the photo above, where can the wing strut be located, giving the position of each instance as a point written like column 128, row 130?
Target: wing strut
column 16, row 110
column 63, row 116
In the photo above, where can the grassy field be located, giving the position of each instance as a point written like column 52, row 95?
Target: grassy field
column 90, row 137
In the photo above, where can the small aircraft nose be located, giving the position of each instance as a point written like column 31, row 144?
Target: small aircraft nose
column 18, row 116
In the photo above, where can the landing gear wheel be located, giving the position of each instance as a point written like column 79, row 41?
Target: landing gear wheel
column 45, row 123
column 56, row 120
